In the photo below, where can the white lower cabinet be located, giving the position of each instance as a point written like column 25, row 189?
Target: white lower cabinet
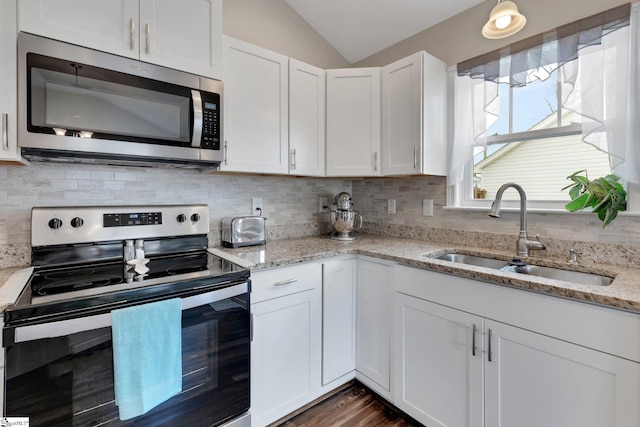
column 438, row 380
column 338, row 319
column 286, row 347
column 533, row 380
column 373, row 323
column 455, row 369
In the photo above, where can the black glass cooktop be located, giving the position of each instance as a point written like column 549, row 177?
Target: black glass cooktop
column 103, row 276
column 67, row 291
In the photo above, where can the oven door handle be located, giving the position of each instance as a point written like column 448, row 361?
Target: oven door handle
column 89, row 323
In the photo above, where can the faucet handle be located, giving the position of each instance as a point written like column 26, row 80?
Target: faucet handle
column 538, row 244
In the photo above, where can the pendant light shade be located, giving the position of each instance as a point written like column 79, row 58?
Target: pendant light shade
column 505, row 20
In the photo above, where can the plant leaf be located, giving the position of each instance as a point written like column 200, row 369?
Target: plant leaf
column 577, row 204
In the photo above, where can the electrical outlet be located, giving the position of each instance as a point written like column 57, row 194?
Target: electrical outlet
column 427, row 207
column 322, row 202
column 257, row 208
column 391, row 206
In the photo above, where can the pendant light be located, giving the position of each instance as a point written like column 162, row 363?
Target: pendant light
column 505, row 20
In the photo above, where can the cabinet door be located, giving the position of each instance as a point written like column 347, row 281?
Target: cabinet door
column 307, row 94
column 373, row 321
column 338, row 319
column 182, row 35
column 285, row 354
column 353, row 122
column 8, row 79
column 414, row 111
column 402, row 116
column 533, row 380
column 438, row 363
column 255, row 109
column 434, row 116
column 110, row 26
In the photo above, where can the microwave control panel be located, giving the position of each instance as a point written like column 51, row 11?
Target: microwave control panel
column 210, row 121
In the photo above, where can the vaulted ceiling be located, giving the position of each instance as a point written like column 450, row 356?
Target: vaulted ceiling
column 360, row 28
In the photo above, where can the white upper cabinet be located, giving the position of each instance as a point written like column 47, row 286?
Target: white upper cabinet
column 256, row 104
column 8, row 87
column 181, row 35
column 353, row 122
column 414, row 116
column 307, row 94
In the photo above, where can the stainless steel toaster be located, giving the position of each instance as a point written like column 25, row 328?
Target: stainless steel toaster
column 238, row 231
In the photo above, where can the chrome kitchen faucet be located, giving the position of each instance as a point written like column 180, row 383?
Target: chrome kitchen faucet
column 524, row 244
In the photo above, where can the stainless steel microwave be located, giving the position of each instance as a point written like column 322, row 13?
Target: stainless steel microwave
column 80, row 105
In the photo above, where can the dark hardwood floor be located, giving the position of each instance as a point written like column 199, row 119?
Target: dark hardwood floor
column 351, row 405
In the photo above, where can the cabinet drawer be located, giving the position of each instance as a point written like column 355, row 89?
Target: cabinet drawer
column 283, row 281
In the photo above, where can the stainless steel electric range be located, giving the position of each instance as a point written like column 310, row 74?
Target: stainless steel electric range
column 89, row 261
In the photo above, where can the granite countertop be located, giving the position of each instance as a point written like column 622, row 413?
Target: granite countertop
column 623, row 293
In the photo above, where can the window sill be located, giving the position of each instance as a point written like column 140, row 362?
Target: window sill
column 529, row 210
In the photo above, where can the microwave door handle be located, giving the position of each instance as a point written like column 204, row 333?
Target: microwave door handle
column 89, row 323
column 197, row 118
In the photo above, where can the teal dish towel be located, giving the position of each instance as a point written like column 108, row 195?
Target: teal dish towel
column 147, row 355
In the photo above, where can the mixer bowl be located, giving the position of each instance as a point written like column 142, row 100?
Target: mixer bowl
column 344, row 222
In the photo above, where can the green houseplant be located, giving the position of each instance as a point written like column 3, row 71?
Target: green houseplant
column 605, row 195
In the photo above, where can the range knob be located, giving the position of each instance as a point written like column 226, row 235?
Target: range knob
column 77, row 222
column 181, row 218
column 55, row 223
column 195, row 217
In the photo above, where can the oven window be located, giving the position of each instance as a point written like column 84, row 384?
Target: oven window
column 68, row 381
column 72, row 99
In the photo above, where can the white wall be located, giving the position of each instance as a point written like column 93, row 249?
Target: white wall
column 460, row 38
column 272, row 24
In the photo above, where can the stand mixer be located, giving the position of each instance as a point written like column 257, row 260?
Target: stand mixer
column 343, row 219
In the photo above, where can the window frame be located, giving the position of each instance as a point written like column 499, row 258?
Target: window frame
column 460, row 195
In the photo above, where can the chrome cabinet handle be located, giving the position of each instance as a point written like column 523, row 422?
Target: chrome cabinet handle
column 415, row 157
column 148, row 37
column 489, row 355
column 473, row 340
column 375, row 161
column 132, row 31
column 226, row 152
column 293, row 159
column 5, row 131
column 285, row 282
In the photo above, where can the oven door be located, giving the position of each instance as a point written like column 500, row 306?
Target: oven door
column 61, row 373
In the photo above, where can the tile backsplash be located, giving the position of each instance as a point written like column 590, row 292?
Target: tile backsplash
column 290, row 203
column 291, row 207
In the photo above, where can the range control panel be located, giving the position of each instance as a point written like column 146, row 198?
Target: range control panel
column 129, row 219
column 89, row 224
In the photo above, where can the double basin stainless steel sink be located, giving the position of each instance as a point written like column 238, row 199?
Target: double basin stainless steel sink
column 516, row 266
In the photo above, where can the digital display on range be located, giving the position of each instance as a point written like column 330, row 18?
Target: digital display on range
column 129, row 219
